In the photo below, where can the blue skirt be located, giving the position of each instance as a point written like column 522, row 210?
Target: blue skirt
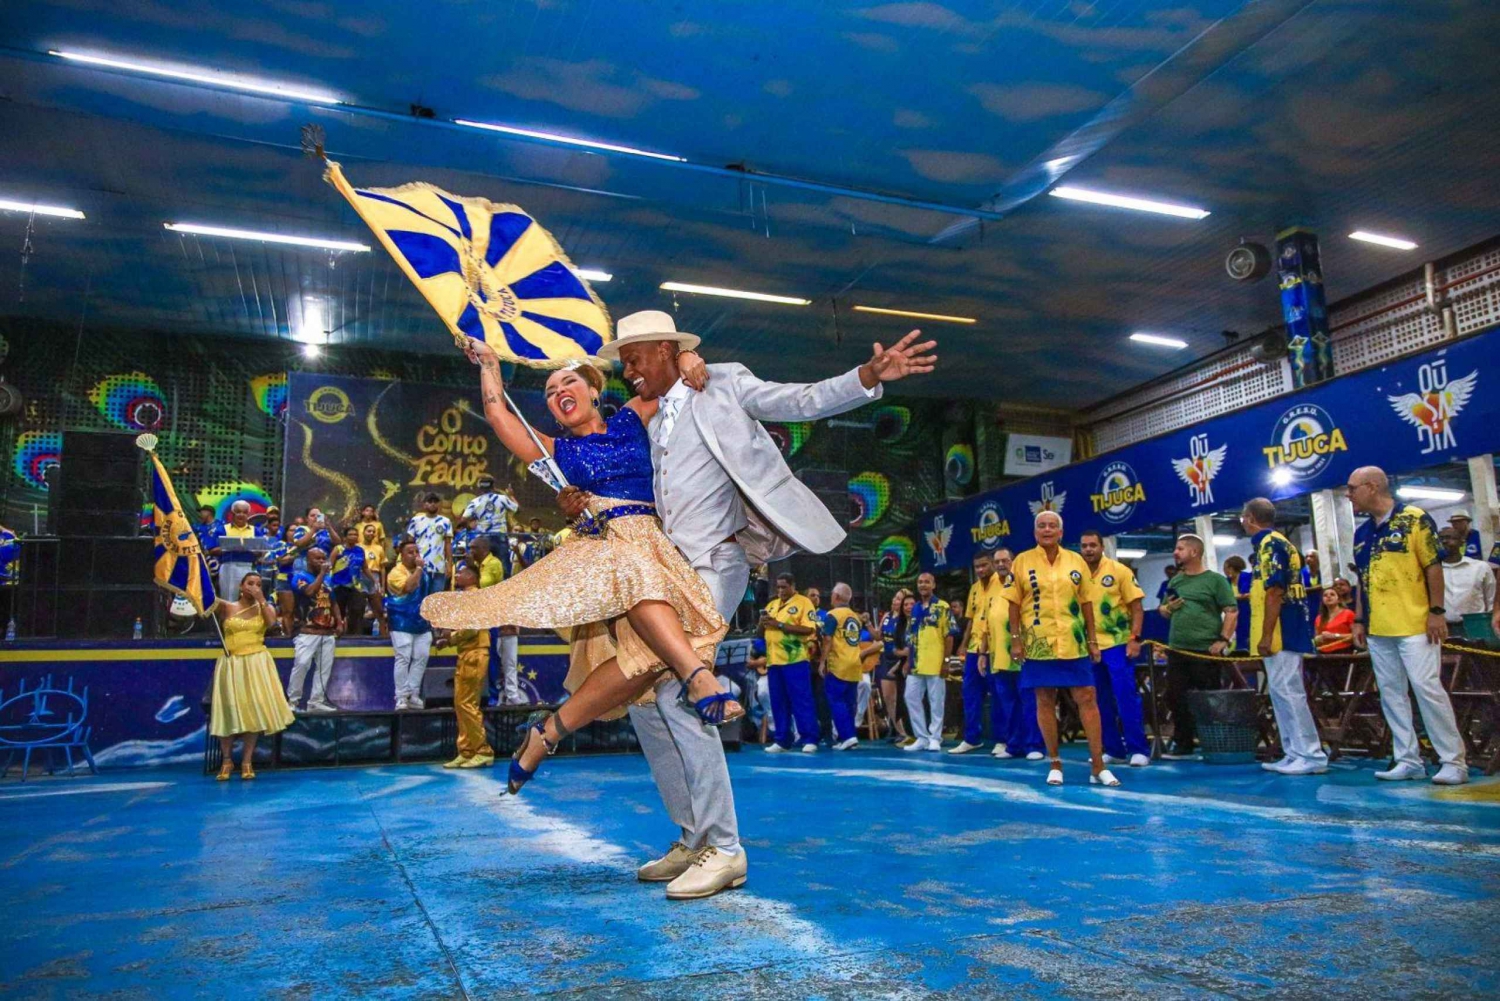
column 1077, row 673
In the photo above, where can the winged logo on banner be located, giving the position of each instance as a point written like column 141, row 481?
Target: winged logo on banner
column 938, row 539
column 1199, row 471
column 1432, row 411
column 1052, row 500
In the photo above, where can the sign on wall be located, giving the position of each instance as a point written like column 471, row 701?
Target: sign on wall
column 1411, row 414
column 1029, row 454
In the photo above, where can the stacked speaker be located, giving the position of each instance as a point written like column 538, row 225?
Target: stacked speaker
column 91, row 578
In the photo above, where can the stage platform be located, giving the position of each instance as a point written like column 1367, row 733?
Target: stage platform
column 874, row 874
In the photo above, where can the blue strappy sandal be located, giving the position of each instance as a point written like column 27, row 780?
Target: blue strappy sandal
column 536, row 723
column 711, row 708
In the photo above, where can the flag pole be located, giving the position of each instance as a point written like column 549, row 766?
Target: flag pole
column 546, row 458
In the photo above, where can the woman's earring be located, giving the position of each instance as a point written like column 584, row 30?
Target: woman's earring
column 596, row 402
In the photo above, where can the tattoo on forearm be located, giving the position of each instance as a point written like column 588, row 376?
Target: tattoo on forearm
column 491, row 398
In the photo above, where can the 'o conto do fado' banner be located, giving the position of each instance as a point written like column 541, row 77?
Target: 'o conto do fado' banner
column 1420, row 411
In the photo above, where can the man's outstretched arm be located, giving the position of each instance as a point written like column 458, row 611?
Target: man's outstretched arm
column 778, row 401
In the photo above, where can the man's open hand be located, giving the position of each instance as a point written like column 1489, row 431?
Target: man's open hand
column 901, row 359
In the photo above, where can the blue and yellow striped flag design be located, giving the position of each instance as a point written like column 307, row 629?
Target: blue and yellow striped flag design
column 489, row 270
column 180, row 565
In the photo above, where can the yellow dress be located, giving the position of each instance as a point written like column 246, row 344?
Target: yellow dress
column 590, row 582
column 247, row 694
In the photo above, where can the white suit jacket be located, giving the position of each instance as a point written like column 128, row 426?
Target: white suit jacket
column 721, row 427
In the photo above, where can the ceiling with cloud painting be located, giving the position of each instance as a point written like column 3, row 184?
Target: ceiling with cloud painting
column 892, row 155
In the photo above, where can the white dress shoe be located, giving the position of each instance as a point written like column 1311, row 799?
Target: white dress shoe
column 847, row 745
column 1139, row 761
column 1105, row 778
column 934, row 745
column 809, row 748
column 1035, row 756
column 1001, row 752
column 916, row 745
column 667, row 868
column 709, row 872
column 1276, row 766
column 964, row 747
column 774, row 749
column 1402, row 772
column 1451, row 775
column 1054, row 777
column 1304, row 766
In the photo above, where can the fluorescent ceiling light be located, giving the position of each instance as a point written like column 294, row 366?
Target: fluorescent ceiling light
column 1158, row 340
column 204, row 75
column 1225, row 540
column 594, row 275
column 1394, row 242
column 1431, row 493
column 567, row 140
column 1071, row 193
column 941, row 318
column 8, row 205
column 248, row 234
column 733, row 293
column 1129, row 554
column 1281, row 476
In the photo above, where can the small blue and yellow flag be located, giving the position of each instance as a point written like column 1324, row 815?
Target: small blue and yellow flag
column 489, row 270
column 180, row 565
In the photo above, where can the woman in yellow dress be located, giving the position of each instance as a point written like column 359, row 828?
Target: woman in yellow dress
column 637, row 606
column 247, row 698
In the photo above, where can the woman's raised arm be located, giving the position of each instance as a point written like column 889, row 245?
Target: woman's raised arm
column 508, row 427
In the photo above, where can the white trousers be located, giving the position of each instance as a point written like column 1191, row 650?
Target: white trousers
column 509, row 646
column 862, row 700
column 411, row 662
column 930, row 725
column 1299, row 734
column 311, row 650
column 1403, row 660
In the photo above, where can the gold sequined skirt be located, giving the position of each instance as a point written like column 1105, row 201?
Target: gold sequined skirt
column 590, row 582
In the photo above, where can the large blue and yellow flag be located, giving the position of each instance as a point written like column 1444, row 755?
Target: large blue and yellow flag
column 180, row 565
column 489, row 270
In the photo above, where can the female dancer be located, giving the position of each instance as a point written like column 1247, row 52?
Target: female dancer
column 1051, row 595
column 625, row 578
column 247, row 700
column 893, row 637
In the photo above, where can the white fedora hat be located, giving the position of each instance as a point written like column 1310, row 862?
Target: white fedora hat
column 647, row 325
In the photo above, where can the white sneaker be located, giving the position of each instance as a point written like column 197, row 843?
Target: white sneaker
column 1054, row 777
column 809, row 748
column 400, row 705
column 964, row 747
column 774, row 749
column 321, row 707
column 1001, row 752
column 1139, row 761
column 1304, row 766
column 292, row 705
column 1277, row 766
column 1402, row 772
column 413, row 702
column 1035, row 756
column 1110, row 759
column 916, row 745
column 709, row 872
column 934, row 745
column 667, row 868
column 846, row 745
column 1451, row 775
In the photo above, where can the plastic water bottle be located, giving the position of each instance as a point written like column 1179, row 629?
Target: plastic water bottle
column 375, row 629
column 10, row 630
column 137, row 631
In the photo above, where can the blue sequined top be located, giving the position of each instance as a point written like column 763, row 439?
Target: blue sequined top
column 615, row 464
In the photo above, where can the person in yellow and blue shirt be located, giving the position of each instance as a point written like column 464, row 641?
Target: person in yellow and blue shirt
column 788, row 624
column 1052, row 598
column 1013, row 713
column 975, row 643
column 1118, row 614
column 1281, row 635
column 1401, row 618
column 844, row 640
column 930, row 633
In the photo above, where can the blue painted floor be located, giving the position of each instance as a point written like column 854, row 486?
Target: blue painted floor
column 874, row 874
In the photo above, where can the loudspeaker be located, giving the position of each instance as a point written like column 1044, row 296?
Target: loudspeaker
column 98, row 490
column 437, row 687
column 832, row 488
column 84, row 588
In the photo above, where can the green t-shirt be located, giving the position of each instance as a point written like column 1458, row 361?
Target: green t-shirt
column 1198, row 624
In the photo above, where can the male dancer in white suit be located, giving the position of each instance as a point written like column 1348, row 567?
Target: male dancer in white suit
column 726, row 498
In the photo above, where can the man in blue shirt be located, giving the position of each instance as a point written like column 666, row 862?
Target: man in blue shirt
column 1280, row 635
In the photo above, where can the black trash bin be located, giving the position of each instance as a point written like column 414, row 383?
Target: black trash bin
column 1227, row 723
